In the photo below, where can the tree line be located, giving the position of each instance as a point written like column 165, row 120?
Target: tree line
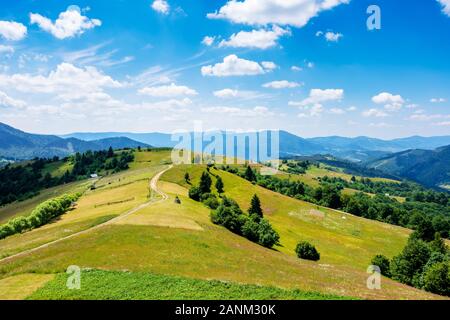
column 19, row 182
column 41, row 215
column 430, row 217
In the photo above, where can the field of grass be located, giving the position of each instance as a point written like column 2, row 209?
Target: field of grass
column 107, row 285
column 24, row 208
column 21, row 286
column 167, row 240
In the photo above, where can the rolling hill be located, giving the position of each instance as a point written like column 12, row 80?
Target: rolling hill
column 428, row 167
column 19, row 145
column 121, row 232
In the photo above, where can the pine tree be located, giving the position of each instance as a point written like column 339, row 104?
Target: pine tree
column 187, row 178
column 110, row 152
column 255, row 208
column 205, row 183
column 249, row 174
column 219, row 185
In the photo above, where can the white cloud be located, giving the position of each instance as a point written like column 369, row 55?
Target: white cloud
column 6, row 49
column 232, row 65
column 226, row 93
column 445, row 6
column 171, row 90
column 443, row 123
column 260, row 39
column 296, row 68
column 65, row 79
column 333, row 37
column 283, row 84
column 258, row 111
column 330, row 36
column 318, row 96
column 311, row 111
column 352, row 108
column 391, row 102
column 70, row 23
column 161, row 6
column 437, row 100
column 374, row 113
column 7, row 101
column 269, row 65
column 208, row 41
column 13, row 31
column 427, row 117
column 282, row 12
column 337, row 111
column 310, row 65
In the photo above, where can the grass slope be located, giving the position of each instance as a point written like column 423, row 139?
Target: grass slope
column 101, row 285
column 179, row 240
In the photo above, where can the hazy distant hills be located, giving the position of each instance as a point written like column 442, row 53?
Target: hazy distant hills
column 16, row 144
column 429, row 167
column 355, row 149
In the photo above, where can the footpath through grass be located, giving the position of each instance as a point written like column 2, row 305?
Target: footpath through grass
column 116, row 285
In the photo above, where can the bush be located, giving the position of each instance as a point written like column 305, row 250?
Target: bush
column 411, row 261
column 210, row 200
column 250, row 230
column 383, row 263
column 307, row 251
column 437, row 279
column 195, row 193
column 267, row 236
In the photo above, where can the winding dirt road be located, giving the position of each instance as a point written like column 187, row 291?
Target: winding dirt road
column 153, row 186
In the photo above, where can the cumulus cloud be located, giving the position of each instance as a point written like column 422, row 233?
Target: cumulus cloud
column 311, row 111
column 70, row 23
column 161, row 6
column 391, row 102
column 374, row 113
column 208, row 41
column 260, row 39
column 7, row 101
column 445, row 6
column 171, row 90
column 296, row 68
column 65, row 79
column 283, row 84
column 232, row 65
column 319, row 96
column 12, row 31
column 262, row 12
column 337, row 111
column 330, row 36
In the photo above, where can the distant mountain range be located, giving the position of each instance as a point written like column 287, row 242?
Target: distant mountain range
column 19, row 145
column 423, row 159
column 354, row 149
column 428, row 167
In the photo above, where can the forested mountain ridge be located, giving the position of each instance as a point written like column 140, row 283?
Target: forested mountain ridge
column 16, row 144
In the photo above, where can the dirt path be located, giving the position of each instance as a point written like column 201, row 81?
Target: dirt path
column 153, row 186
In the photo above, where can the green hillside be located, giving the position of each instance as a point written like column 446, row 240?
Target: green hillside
column 122, row 225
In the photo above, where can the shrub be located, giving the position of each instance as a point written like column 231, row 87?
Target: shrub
column 411, row 261
column 437, row 279
column 250, row 230
column 195, row 193
column 267, row 236
column 306, row 250
column 383, row 263
column 205, row 183
column 210, row 200
column 219, row 185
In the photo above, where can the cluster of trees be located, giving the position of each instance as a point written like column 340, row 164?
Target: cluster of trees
column 22, row 181
column 252, row 226
column 416, row 215
column 42, row 214
column 226, row 212
column 423, row 264
column 296, row 167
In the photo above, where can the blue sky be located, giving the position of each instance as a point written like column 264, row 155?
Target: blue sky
column 311, row 67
